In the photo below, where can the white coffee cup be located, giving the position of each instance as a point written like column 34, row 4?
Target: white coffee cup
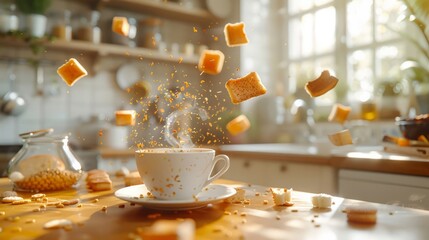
column 178, row 173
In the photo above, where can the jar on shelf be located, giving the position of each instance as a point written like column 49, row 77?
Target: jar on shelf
column 62, row 28
column 9, row 21
column 150, row 33
column 88, row 29
column 44, row 163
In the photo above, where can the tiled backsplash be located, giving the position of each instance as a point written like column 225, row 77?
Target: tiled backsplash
column 61, row 107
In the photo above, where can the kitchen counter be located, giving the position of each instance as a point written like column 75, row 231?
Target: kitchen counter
column 260, row 221
column 347, row 157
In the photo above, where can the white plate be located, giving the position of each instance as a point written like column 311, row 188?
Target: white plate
column 211, row 194
column 219, row 8
column 127, row 75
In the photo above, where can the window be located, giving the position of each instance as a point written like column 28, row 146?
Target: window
column 292, row 41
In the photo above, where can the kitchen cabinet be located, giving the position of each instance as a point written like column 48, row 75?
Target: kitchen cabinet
column 299, row 176
column 403, row 190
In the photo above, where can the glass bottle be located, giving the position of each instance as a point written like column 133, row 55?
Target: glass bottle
column 44, row 163
column 62, row 29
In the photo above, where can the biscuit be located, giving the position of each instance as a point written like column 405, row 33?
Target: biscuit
column 71, row 71
column 125, row 117
column 100, row 184
column 321, row 200
column 321, row 85
column 361, row 214
column 282, row 196
column 211, row 61
column 121, row 26
column 133, row 178
column 238, row 125
column 242, row 89
column 341, row 138
column 235, row 34
column 339, row 113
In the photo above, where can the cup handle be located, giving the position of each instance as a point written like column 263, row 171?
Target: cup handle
column 225, row 167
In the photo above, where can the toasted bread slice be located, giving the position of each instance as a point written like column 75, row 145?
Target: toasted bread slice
column 121, row 26
column 235, row 34
column 341, row 138
column 321, row 85
column 242, row 89
column 71, row 71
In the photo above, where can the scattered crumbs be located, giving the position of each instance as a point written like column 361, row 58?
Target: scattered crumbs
column 317, row 225
column 243, row 221
column 235, row 212
column 45, row 199
column 135, row 197
column 257, row 194
column 344, row 210
column 30, row 220
column 316, row 216
column 312, row 220
column 79, row 205
column 217, row 230
column 104, row 209
column 60, row 205
column 80, row 224
column 227, row 213
column 121, row 205
column 132, row 204
column 278, row 217
column 36, row 210
column 265, row 201
column 391, row 213
column 294, row 210
column 235, row 227
column 95, row 200
column 249, row 185
column 142, row 195
column 15, row 219
column 17, row 229
column 333, row 203
column 243, row 214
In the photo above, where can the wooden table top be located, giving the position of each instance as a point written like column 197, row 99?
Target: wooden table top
column 260, row 221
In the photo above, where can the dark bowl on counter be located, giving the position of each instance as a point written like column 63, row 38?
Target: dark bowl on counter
column 412, row 128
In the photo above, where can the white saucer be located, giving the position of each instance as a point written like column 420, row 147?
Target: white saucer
column 210, row 194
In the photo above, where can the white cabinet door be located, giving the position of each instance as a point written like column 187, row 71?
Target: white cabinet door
column 402, row 190
column 301, row 177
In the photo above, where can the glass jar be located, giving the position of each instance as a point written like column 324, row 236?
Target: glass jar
column 150, row 33
column 44, row 163
column 62, row 28
column 8, row 19
column 88, row 29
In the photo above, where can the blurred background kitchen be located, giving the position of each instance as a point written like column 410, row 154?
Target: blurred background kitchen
column 378, row 49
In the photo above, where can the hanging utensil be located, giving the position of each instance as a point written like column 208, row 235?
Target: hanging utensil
column 11, row 103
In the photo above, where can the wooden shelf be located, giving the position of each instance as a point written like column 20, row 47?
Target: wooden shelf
column 162, row 9
column 105, row 49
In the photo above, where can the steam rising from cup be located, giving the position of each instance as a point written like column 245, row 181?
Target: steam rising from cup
column 183, row 139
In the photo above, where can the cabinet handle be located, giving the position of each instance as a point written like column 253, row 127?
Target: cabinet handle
column 283, row 168
column 246, row 164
